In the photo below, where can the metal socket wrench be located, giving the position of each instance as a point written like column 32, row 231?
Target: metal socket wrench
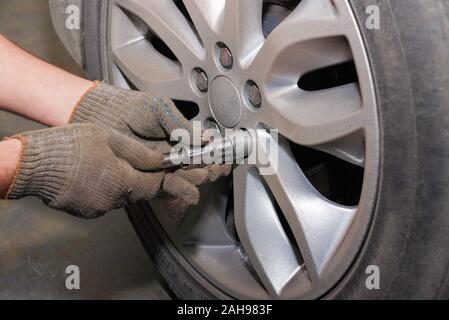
column 228, row 149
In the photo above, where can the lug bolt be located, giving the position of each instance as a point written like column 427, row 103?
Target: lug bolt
column 254, row 95
column 202, row 82
column 225, row 56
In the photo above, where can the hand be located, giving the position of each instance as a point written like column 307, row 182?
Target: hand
column 146, row 118
column 88, row 170
column 138, row 115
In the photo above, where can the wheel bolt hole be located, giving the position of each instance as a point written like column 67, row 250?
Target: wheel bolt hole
column 201, row 80
column 253, row 94
column 224, row 56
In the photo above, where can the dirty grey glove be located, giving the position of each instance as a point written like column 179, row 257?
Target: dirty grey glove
column 136, row 114
column 143, row 117
column 88, row 170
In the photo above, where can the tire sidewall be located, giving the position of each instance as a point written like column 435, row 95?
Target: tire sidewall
column 410, row 222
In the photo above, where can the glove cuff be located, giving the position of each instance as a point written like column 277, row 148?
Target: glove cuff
column 43, row 166
column 103, row 104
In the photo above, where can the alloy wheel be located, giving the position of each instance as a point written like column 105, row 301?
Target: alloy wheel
column 297, row 66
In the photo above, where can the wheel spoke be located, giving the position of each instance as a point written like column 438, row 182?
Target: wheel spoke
column 137, row 59
column 318, row 224
column 167, row 22
column 315, row 118
column 200, row 229
column 306, row 32
column 207, row 15
column 162, row 76
column 131, row 58
column 350, row 149
column 261, row 233
column 242, row 28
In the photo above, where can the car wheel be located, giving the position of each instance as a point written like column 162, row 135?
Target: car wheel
column 359, row 205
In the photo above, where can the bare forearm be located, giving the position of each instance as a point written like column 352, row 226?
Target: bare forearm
column 9, row 158
column 35, row 89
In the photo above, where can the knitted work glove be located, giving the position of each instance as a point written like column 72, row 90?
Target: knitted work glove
column 136, row 114
column 88, row 170
column 143, row 117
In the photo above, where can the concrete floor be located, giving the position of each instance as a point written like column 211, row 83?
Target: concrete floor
column 36, row 243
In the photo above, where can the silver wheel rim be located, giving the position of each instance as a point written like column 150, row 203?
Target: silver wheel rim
column 262, row 261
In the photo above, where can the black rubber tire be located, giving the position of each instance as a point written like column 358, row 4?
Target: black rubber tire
column 409, row 236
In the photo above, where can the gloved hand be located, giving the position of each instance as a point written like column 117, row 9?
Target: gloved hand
column 88, row 170
column 146, row 118
column 136, row 114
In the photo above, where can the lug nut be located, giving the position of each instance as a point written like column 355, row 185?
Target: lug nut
column 225, row 56
column 202, row 82
column 254, row 95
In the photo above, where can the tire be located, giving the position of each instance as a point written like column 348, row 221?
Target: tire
column 409, row 233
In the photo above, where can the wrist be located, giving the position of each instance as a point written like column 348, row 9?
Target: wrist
column 106, row 105
column 10, row 154
column 84, row 95
column 82, row 91
column 42, row 167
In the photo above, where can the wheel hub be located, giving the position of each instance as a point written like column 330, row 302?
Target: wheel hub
column 225, row 102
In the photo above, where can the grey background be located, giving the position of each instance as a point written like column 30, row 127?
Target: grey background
column 36, row 243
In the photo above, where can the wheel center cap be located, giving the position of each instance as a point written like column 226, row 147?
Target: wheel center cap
column 225, row 102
